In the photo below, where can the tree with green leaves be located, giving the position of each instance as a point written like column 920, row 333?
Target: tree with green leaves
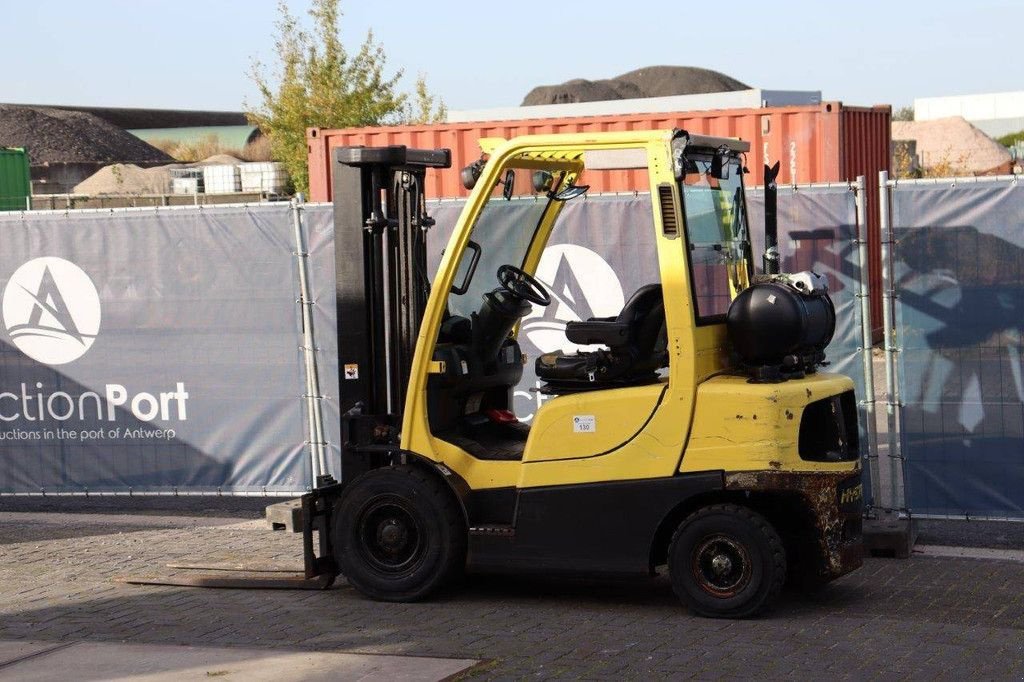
column 1011, row 139
column 318, row 83
column 903, row 114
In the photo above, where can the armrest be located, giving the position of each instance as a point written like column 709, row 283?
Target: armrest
column 610, row 334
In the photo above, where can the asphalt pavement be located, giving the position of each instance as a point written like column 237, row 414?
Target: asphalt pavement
column 929, row 616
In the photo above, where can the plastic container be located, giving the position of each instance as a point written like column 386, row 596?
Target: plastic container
column 186, row 172
column 264, row 176
column 222, row 179
column 187, row 185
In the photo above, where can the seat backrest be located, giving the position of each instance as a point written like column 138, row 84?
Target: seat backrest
column 645, row 315
column 640, row 305
column 650, row 337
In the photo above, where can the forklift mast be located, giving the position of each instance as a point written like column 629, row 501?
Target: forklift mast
column 381, row 283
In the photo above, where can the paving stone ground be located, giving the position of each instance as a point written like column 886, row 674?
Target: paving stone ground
column 927, row 617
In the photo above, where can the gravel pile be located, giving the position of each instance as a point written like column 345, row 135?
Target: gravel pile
column 122, row 178
column 954, row 144
column 219, row 160
column 126, row 178
column 58, row 136
column 650, row 81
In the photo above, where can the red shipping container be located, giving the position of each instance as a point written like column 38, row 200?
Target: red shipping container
column 826, row 142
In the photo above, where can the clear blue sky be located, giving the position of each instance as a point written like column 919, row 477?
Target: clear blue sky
column 196, row 53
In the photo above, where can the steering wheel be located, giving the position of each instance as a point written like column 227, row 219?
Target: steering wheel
column 516, row 282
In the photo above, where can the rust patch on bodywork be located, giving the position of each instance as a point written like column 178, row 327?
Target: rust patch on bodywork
column 821, row 492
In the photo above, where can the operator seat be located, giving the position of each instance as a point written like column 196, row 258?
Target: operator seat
column 636, row 343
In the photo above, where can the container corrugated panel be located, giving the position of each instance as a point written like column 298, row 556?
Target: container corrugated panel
column 15, row 180
column 866, row 137
column 828, row 142
column 806, row 139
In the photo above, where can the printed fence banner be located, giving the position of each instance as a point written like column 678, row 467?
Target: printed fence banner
column 958, row 269
column 151, row 351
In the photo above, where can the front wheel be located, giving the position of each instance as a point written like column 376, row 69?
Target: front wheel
column 398, row 534
column 726, row 561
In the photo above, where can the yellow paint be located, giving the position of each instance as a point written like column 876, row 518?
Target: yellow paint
column 478, row 473
column 559, row 429
column 739, row 426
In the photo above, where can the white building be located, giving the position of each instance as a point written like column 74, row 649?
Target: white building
column 996, row 114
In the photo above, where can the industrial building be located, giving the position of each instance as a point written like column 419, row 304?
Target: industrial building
column 995, row 114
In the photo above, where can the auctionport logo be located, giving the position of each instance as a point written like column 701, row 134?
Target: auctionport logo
column 582, row 285
column 51, row 310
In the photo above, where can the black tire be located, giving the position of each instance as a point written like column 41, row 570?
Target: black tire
column 726, row 561
column 398, row 534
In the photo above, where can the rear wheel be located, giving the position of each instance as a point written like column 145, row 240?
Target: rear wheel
column 398, row 534
column 726, row 561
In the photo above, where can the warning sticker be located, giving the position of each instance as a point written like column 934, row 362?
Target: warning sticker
column 351, row 371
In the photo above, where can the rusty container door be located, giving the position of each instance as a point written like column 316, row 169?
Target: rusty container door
column 865, row 136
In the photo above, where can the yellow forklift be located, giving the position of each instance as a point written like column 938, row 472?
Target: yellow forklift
column 692, row 430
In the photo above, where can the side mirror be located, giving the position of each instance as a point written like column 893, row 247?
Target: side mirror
column 571, row 192
column 542, row 182
column 509, row 185
column 471, row 173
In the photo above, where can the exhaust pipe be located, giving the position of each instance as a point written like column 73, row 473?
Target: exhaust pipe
column 771, row 220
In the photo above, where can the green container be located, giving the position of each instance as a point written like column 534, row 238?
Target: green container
column 15, row 180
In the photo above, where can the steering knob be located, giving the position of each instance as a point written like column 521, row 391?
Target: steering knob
column 522, row 285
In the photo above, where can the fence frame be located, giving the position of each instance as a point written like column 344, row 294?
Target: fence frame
column 892, row 346
column 313, row 397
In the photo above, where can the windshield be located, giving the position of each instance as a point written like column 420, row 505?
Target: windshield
column 716, row 227
column 504, row 231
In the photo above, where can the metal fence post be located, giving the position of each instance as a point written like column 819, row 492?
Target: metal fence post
column 896, row 499
column 318, row 459
column 868, row 400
